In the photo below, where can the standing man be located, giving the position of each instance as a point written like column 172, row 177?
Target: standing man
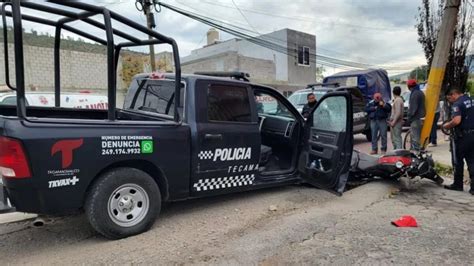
column 396, row 118
column 416, row 111
column 378, row 112
column 310, row 105
column 463, row 123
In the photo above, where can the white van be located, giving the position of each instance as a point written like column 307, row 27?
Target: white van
column 80, row 100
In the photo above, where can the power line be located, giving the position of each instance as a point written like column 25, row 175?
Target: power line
column 255, row 31
column 243, row 15
column 247, row 34
column 308, row 19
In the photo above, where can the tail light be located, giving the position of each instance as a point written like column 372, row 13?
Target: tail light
column 13, row 162
column 394, row 159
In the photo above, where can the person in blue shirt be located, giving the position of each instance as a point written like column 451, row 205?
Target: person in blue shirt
column 463, row 124
column 416, row 111
column 378, row 111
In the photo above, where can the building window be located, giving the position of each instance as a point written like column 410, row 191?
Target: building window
column 228, row 104
column 303, row 55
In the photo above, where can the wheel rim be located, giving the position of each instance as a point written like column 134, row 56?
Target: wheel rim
column 128, row 205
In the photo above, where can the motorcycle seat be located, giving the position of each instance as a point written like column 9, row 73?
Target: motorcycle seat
column 400, row 152
column 363, row 161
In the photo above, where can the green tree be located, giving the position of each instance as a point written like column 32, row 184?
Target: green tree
column 429, row 20
column 419, row 73
column 319, row 73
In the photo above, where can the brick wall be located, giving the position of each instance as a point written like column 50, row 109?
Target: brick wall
column 79, row 70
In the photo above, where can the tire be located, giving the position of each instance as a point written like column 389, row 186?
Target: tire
column 123, row 202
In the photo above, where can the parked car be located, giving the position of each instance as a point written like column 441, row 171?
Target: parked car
column 406, row 103
column 176, row 137
column 81, row 100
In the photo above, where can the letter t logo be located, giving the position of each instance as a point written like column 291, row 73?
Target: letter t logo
column 66, row 147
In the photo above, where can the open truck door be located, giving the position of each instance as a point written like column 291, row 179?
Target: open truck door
column 328, row 143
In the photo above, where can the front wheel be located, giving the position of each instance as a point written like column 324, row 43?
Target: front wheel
column 123, row 202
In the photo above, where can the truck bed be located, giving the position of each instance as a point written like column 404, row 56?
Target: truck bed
column 82, row 114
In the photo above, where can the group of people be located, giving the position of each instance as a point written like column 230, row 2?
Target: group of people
column 462, row 124
column 383, row 114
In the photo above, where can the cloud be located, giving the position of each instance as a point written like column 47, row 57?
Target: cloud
column 372, row 31
column 379, row 32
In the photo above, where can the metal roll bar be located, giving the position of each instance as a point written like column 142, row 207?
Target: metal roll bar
column 87, row 11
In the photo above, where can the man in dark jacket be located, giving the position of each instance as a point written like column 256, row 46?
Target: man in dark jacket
column 416, row 111
column 307, row 108
column 378, row 112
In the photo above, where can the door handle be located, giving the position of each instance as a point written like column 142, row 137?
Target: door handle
column 213, row 136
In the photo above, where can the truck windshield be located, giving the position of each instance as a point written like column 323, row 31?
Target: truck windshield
column 155, row 96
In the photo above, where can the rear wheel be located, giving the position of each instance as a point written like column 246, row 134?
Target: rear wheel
column 123, row 202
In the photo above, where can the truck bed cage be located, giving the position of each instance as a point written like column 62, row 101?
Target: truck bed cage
column 86, row 11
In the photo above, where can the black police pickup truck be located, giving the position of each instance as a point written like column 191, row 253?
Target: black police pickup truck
column 219, row 136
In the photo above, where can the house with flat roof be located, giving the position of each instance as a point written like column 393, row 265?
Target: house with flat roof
column 286, row 71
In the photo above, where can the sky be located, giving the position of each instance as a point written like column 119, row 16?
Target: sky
column 376, row 32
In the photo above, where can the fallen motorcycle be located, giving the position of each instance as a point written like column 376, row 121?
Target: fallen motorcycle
column 395, row 164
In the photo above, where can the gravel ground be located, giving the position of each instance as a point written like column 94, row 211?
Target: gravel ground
column 445, row 235
column 183, row 232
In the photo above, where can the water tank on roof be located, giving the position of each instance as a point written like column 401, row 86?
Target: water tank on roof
column 212, row 36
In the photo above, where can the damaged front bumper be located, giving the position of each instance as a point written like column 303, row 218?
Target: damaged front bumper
column 5, row 205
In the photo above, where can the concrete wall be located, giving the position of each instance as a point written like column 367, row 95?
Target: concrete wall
column 280, row 60
column 265, row 65
column 262, row 71
column 299, row 74
column 79, row 70
column 211, row 50
column 247, row 49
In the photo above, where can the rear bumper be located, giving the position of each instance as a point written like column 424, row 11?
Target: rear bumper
column 24, row 196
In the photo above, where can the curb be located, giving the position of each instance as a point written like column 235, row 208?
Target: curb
column 16, row 217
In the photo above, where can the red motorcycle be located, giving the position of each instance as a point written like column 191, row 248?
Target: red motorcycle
column 394, row 164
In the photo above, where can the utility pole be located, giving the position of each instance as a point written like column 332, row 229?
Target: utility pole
column 147, row 6
column 440, row 58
